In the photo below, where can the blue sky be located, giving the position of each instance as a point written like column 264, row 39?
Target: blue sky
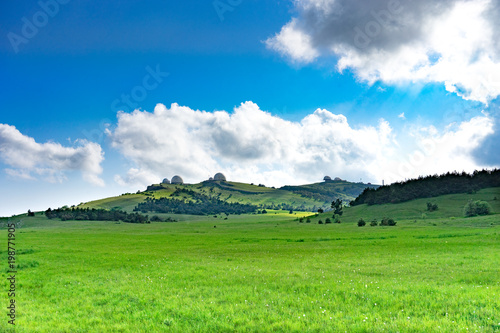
column 274, row 92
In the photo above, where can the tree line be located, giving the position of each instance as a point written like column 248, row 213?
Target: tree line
column 430, row 186
column 87, row 214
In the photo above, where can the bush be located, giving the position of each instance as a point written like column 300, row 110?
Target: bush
column 478, row 207
column 373, row 223
column 361, row 223
column 432, row 207
column 388, row 222
column 320, row 222
column 336, row 219
column 301, row 220
column 308, row 220
column 328, row 220
column 156, row 218
column 320, row 210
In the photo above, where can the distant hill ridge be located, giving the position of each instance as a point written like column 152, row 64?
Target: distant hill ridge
column 429, row 186
column 309, row 197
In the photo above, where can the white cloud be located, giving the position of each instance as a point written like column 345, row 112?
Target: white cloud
column 251, row 145
column 402, row 115
column 294, row 42
column 453, row 42
column 49, row 161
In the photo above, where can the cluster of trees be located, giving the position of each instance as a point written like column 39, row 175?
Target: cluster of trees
column 386, row 221
column 196, row 204
column 87, row 214
column 286, row 206
column 432, row 207
column 478, row 207
column 430, row 186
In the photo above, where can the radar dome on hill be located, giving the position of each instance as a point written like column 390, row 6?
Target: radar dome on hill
column 327, row 179
column 165, row 181
column 337, row 179
column 177, row 180
column 219, row 177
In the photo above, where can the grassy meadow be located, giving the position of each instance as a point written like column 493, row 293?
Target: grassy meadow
column 437, row 272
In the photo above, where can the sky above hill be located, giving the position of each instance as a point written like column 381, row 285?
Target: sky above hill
column 103, row 98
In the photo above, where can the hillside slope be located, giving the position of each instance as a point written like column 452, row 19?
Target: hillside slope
column 449, row 207
column 305, row 197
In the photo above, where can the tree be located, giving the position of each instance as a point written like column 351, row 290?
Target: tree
column 478, row 207
column 30, row 213
column 361, row 223
column 320, row 210
column 328, row 220
column 388, row 222
column 337, row 207
column 431, row 207
column 373, row 223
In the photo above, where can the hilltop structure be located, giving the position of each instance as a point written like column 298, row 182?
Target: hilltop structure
column 165, row 181
column 219, row 177
column 177, row 180
column 327, row 179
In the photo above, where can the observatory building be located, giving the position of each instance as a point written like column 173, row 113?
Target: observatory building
column 177, row 180
column 219, row 177
column 165, row 181
column 327, row 179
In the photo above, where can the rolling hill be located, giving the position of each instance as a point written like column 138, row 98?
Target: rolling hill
column 308, row 197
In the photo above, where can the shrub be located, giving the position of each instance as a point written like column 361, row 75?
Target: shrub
column 388, row 222
column 301, row 220
column 336, row 218
column 328, row 220
column 320, row 210
column 432, row 207
column 308, row 220
column 361, row 223
column 478, row 207
column 156, row 218
column 320, row 222
column 373, row 223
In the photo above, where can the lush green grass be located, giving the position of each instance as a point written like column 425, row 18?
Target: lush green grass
column 261, row 273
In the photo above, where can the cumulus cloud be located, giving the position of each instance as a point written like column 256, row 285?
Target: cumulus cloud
column 453, row 42
column 28, row 159
column 252, row 145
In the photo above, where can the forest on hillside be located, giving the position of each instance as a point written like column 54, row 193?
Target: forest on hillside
column 430, row 186
column 193, row 203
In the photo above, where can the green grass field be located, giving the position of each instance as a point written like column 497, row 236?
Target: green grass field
column 262, row 273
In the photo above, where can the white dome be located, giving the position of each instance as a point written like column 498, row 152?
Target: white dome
column 220, row 177
column 165, row 181
column 177, row 180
